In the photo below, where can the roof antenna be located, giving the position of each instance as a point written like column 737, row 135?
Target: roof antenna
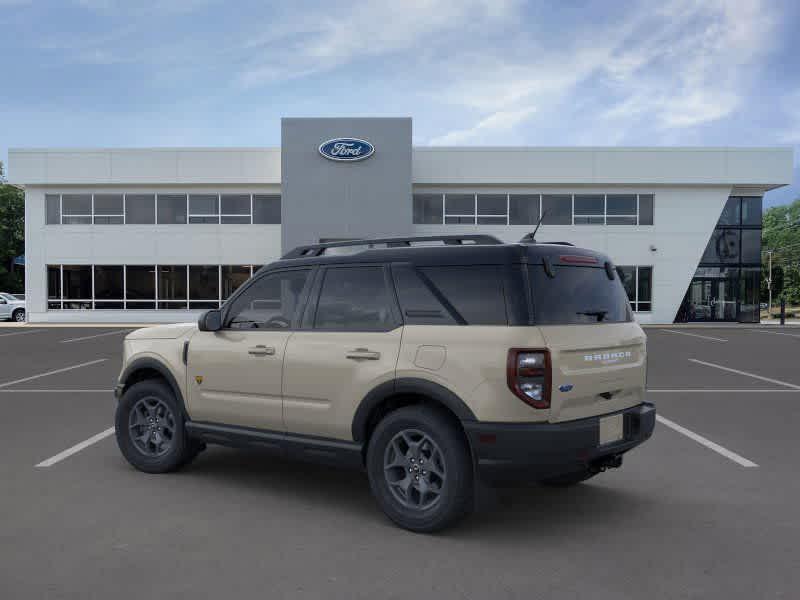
column 531, row 237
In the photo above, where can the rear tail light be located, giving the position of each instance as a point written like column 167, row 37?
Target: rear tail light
column 528, row 373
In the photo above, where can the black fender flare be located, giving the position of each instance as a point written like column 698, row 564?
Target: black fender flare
column 406, row 385
column 149, row 363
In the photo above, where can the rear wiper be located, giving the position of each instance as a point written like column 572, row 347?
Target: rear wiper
column 600, row 314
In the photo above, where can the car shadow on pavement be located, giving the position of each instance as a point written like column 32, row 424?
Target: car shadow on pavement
column 506, row 512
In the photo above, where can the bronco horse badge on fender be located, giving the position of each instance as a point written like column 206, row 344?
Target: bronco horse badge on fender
column 346, row 149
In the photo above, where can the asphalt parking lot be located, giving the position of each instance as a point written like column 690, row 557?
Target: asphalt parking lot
column 708, row 508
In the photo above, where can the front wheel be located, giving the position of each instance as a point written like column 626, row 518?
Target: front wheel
column 19, row 315
column 420, row 470
column 150, row 428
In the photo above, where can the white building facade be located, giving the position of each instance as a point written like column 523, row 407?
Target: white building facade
column 158, row 235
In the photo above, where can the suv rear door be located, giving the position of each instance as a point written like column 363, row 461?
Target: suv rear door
column 349, row 344
column 597, row 350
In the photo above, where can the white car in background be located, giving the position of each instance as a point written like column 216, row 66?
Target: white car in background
column 12, row 308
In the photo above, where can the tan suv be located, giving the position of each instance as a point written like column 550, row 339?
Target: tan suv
column 428, row 362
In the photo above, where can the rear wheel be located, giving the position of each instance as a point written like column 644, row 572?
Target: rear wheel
column 420, row 470
column 19, row 315
column 150, row 428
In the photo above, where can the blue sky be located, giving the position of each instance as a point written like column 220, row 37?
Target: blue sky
column 470, row 72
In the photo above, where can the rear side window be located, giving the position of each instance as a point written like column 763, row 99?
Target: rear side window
column 354, row 299
column 577, row 294
column 418, row 303
column 475, row 292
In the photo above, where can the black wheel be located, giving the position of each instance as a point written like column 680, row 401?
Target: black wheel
column 18, row 315
column 569, row 479
column 150, row 428
column 420, row 470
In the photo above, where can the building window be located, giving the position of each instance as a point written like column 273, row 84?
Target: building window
column 428, row 209
column 203, row 286
column 143, row 287
column 204, row 208
column 109, row 209
column 76, row 209
column 638, row 283
column 557, row 209
column 53, row 209
column 173, row 282
column 171, row 209
column 523, row 209
column 589, row 209
column 459, row 209
column 526, row 209
column 140, row 209
column 164, row 209
column 266, row 209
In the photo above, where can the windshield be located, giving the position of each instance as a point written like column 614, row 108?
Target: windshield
column 577, row 294
column 8, row 297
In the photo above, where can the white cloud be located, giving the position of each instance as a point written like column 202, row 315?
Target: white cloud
column 679, row 65
column 496, row 122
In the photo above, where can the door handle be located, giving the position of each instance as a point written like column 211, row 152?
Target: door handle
column 363, row 354
column 261, row 350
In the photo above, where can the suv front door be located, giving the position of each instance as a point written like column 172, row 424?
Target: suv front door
column 234, row 375
column 349, row 343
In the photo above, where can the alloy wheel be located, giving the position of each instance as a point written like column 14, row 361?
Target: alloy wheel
column 414, row 469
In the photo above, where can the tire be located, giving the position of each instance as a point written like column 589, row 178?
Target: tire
column 158, row 443
column 18, row 315
column 568, row 479
column 403, row 440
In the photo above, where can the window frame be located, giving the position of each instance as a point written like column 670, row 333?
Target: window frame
column 636, row 301
column 475, row 216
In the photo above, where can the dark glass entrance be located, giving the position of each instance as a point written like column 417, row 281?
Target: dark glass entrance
column 725, row 286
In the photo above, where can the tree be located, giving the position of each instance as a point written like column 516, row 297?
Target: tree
column 781, row 235
column 12, row 235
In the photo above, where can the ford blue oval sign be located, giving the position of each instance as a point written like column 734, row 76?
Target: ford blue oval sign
column 346, row 149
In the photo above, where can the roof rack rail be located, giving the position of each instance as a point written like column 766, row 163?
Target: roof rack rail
column 559, row 243
column 392, row 242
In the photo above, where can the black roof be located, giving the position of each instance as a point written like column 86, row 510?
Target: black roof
column 440, row 250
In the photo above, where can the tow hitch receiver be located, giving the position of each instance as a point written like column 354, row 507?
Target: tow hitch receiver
column 612, row 461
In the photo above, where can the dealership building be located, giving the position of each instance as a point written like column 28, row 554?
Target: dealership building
column 160, row 234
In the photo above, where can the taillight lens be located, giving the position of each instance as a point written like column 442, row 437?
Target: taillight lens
column 529, row 376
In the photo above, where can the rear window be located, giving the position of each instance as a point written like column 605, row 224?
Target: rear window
column 577, row 295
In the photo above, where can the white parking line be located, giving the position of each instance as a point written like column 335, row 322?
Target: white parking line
column 721, row 391
column 90, row 337
column 774, row 332
column 78, row 391
column 697, row 335
column 76, row 448
column 27, row 331
column 24, row 379
column 740, row 460
column 745, row 373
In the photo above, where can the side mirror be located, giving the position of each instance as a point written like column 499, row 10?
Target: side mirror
column 211, row 320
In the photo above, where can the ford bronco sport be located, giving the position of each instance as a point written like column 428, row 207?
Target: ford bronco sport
column 427, row 362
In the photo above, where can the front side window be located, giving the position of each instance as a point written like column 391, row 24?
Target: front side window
column 270, row 302
column 354, row 299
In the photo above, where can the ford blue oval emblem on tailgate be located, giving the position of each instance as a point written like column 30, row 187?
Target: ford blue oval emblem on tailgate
column 346, row 149
column 565, row 388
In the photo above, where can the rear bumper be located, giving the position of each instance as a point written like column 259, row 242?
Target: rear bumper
column 505, row 452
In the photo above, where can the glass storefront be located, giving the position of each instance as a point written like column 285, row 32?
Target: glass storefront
column 726, row 284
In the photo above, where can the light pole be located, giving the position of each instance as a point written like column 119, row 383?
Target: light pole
column 769, row 285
